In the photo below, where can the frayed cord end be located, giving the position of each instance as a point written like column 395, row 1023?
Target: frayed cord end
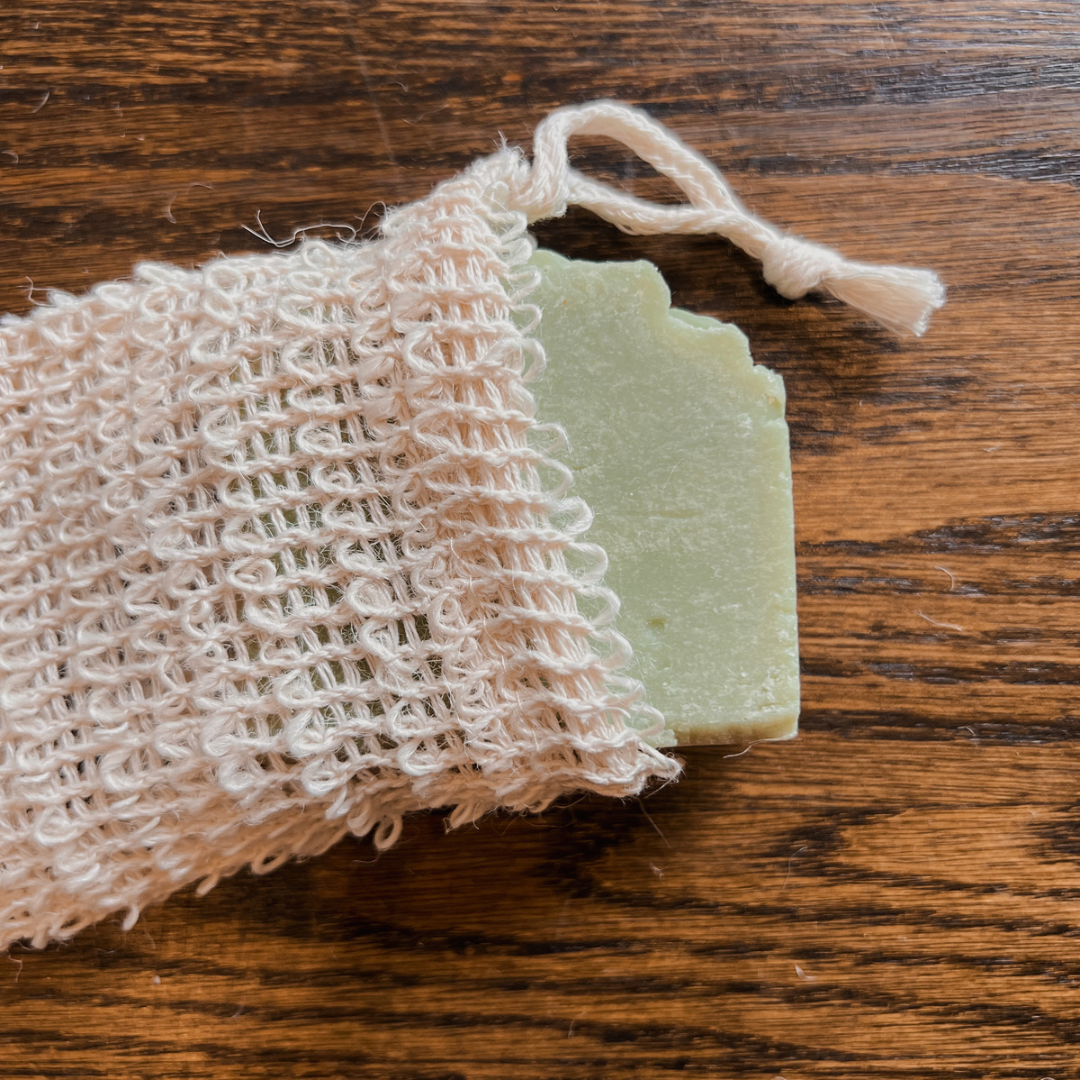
column 900, row 298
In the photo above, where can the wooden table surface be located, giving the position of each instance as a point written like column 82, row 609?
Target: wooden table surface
column 894, row 894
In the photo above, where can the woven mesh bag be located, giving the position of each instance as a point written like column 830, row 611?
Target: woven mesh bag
column 279, row 562
column 283, row 555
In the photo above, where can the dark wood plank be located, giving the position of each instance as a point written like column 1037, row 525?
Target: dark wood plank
column 893, row 895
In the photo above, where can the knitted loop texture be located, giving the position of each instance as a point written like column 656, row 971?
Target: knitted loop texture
column 284, row 556
column 279, row 564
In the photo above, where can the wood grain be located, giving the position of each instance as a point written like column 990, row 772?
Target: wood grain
column 894, row 895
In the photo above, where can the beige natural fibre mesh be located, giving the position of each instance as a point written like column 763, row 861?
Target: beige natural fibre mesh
column 284, row 554
column 279, row 562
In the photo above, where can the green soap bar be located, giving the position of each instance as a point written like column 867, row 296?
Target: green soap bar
column 678, row 443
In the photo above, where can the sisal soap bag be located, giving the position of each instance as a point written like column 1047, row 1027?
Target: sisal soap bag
column 282, row 556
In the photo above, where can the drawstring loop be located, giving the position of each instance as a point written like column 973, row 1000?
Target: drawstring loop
column 899, row 298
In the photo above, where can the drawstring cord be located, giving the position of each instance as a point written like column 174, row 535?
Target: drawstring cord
column 899, row 298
